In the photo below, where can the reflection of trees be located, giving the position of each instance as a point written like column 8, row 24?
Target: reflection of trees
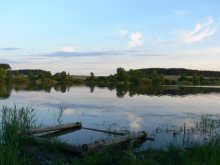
column 122, row 89
column 61, row 88
column 92, row 88
column 5, row 90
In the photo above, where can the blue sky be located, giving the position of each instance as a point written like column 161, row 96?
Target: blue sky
column 83, row 36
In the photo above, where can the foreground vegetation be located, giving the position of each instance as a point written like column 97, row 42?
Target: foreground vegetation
column 15, row 150
column 207, row 154
column 12, row 120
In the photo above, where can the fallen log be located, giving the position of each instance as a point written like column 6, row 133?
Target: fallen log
column 52, row 128
column 109, row 132
column 61, row 145
column 115, row 141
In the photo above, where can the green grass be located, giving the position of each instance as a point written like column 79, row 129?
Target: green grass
column 12, row 120
column 207, row 154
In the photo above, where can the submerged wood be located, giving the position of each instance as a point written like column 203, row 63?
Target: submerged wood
column 109, row 132
column 61, row 145
column 52, row 128
column 115, row 141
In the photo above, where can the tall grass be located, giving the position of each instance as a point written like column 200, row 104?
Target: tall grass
column 12, row 121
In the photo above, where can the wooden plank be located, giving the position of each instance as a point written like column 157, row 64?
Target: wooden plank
column 115, row 141
column 109, row 132
column 52, row 128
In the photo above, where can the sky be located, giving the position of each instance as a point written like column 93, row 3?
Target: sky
column 83, row 36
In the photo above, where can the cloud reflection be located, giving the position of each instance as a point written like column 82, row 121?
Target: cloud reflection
column 69, row 111
column 134, row 120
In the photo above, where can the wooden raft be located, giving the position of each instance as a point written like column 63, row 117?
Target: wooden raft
column 63, row 128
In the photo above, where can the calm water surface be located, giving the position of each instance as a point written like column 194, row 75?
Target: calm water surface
column 162, row 115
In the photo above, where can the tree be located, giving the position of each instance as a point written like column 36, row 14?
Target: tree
column 63, row 76
column 3, row 73
column 196, row 79
column 122, row 75
column 5, row 66
column 92, row 77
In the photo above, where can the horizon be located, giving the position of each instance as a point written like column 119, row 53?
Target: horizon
column 80, row 37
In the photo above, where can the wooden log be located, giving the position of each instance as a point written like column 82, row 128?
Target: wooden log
column 52, row 128
column 57, row 133
column 61, row 145
column 115, row 141
column 109, row 132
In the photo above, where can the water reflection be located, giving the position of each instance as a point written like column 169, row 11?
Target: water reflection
column 5, row 91
column 179, row 120
column 121, row 89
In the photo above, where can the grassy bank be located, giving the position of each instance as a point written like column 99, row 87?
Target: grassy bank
column 14, row 150
column 207, row 154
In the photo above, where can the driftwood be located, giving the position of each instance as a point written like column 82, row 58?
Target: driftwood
column 109, row 132
column 115, row 141
column 52, row 128
column 61, row 145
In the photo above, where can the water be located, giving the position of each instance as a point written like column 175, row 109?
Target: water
column 180, row 116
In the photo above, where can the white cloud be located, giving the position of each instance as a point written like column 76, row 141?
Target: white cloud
column 201, row 31
column 68, row 49
column 136, row 39
column 200, row 52
column 122, row 33
column 179, row 13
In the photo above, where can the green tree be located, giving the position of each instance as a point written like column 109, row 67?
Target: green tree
column 122, row 75
column 92, row 76
column 196, row 79
column 5, row 66
column 63, row 76
column 3, row 73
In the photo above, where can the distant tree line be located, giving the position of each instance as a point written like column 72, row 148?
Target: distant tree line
column 135, row 77
column 181, row 71
column 35, row 76
column 150, row 76
column 156, row 76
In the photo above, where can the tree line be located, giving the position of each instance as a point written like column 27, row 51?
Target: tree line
column 181, row 71
column 150, row 76
column 35, row 76
column 156, row 76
